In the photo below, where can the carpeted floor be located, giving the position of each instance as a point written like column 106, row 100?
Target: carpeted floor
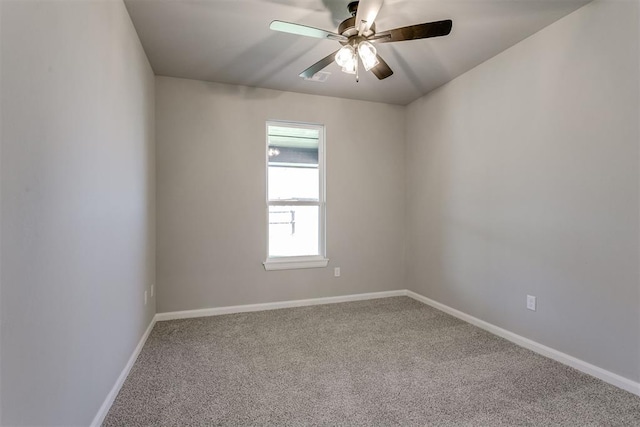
column 391, row 361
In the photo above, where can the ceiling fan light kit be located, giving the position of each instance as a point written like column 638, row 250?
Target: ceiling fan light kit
column 357, row 35
column 347, row 57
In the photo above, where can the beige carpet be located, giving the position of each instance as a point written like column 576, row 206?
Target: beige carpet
column 391, row 361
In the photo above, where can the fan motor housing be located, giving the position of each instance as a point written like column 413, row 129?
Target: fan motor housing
column 348, row 28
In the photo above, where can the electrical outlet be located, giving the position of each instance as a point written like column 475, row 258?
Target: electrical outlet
column 336, row 272
column 531, row 302
column 152, row 286
column 145, row 297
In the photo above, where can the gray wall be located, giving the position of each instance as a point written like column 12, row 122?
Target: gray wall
column 1, row 133
column 77, row 185
column 522, row 178
column 211, row 195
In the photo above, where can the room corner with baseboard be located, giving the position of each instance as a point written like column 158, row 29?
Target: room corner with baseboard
column 525, row 208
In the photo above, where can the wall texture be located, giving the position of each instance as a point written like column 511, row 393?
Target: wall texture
column 522, row 178
column 77, row 221
column 211, row 195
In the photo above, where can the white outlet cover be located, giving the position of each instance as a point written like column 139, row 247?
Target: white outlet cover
column 336, row 272
column 531, row 302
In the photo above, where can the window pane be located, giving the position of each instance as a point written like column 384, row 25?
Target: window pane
column 295, row 183
column 293, row 230
column 293, row 163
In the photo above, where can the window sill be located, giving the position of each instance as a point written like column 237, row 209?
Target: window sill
column 293, row 263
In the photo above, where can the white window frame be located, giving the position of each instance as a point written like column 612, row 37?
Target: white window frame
column 296, row 262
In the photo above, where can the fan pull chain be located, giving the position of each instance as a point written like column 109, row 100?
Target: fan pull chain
column 357, row 67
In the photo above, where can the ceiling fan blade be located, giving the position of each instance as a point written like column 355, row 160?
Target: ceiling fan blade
column 304, row 30
column 413, row 32
column 382, row 70
column 366, row 14
column 324, row 62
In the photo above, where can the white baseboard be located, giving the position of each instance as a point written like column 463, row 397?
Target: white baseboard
column 188, row 314
column 106, row 405
column 581, row 365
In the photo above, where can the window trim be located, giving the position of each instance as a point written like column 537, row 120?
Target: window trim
column 302, row 261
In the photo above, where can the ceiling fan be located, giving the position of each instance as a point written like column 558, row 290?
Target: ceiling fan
column 357, row 35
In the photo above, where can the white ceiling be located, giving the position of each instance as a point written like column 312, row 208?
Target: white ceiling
column 229, row 41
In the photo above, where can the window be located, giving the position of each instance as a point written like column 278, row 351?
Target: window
column 295, row 196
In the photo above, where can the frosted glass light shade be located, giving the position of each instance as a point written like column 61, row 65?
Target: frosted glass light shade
column 350, row 68
column 346, row 56
column 368, row 54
